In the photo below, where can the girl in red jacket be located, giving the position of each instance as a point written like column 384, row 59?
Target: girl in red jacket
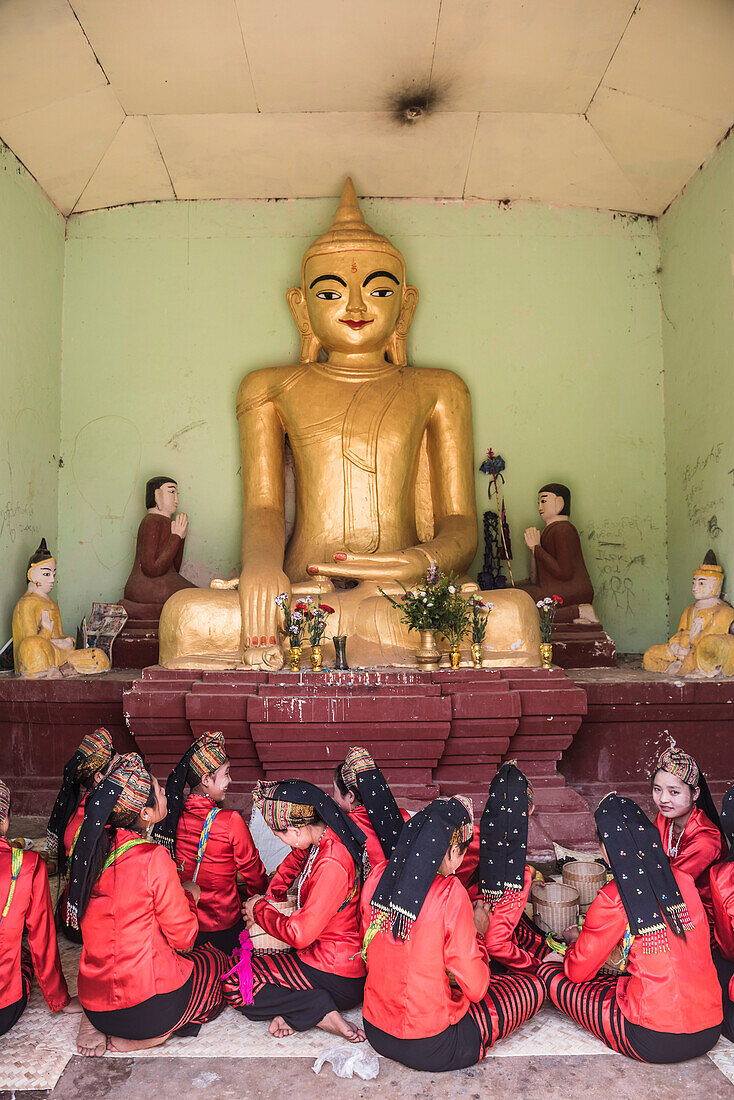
column 25, row 908
column 666, row 1006
column 722, row 900
column 361, row 790
column 136, row 917
column 500, row 875
column 323, row 973
column 210, row 844
column 82, row 773
column 687, row 820
column 419, row 933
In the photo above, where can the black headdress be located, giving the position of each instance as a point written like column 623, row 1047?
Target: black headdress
column 727, row 820
column 274, row 801
column 642, row 873
column 97, row 748
column 413, row 866
column 503, row 836
column 205, row 755
column 128, row 787
column 360, row 773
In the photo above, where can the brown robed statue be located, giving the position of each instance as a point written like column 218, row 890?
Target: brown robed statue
column 383, row 459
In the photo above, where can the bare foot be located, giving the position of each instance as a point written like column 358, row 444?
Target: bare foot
column 335, row 1023
column 279, row 1029
column 73, row 1008
column 90, row 1042
column 124, row 1046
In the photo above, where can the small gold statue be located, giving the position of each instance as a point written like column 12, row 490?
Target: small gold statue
column 702, row 644
column 41, row 650
column 383, row 458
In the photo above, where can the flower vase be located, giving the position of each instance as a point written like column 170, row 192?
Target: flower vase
column 546, row 654
column 428, row 654
column 316, row 664
column 340, row 651
column 454, row 656
column 476, row 654
column 295, row 658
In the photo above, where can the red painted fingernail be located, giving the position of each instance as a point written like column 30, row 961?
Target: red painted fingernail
column 340, row 557
column 313, row 569
column 272, row 639
column 263, row 639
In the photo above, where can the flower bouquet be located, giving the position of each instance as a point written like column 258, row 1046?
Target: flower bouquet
column 294, row 619
column 424, row 606
column 479, row 615
column 547, row 608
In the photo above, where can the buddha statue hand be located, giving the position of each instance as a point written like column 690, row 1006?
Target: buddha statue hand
column 226, row 586
column 259, row 585
column 407, row 566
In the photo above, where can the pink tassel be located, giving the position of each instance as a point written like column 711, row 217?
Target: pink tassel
column 243, row 967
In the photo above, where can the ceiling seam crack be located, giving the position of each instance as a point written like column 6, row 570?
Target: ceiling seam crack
column 86, row 37
column 614, row 51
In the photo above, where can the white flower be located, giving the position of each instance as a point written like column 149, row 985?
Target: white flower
column 452, row 589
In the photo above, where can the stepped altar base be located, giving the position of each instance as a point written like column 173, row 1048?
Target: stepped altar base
column 577, row 736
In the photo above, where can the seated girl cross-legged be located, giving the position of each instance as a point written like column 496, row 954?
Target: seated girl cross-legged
column 666, row 1006
column 136, row 917
column 322, row 975
column 430, row 999
column 361, row 790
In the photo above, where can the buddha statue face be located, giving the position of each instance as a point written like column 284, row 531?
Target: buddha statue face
column 705, row 588
column 353, row 299
column 41, row 577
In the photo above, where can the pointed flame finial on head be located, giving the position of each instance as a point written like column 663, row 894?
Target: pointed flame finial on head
column 349, row 231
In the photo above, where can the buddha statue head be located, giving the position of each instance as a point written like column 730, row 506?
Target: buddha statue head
column 708, row 578
column 41, row 570
column 161, row 495
column 353, row 298
column 554, row 500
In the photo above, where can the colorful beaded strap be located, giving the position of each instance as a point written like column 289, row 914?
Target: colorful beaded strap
column 203, row 840
column 16, row 860
column 121, row 851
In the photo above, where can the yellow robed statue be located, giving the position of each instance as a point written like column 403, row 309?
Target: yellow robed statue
column 41, row 650
column 384, row 476
column 702, row 644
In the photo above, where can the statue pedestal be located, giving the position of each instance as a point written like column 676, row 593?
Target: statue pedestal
column 580, row 645
column 136, row 646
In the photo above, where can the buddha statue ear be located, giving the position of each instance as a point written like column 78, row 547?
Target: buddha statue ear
column 310, row 345
column 396, row 345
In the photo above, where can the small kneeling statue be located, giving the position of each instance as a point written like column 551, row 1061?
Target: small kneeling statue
column 158, row 552
column 41, row 650
column 702, row 644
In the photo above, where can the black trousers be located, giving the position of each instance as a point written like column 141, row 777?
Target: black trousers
column 299, row 993
column 458, row 1047
column 725, row 970
column 224, row 939
column 10, row 1014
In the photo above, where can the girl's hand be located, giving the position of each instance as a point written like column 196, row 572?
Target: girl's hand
column 571, row 934
column 194, row 889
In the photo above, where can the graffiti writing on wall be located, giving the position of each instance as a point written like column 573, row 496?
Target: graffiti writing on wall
column 617, row 560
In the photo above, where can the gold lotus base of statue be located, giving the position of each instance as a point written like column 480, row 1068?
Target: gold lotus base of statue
column 201, row 628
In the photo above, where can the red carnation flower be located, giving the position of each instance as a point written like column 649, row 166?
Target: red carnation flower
column 325, row 607
column 557, row 599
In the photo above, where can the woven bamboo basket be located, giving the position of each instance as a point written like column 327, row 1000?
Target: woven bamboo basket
column 262, row 942
column 555, row 906
column 585, row 876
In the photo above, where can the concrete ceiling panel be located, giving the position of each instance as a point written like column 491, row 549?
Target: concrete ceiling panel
column 44, row 56
column 657, row 148
column 132, row 170
column 61, row 145
column 679, row 53
column 547, row 158
column 332, row 57
column 171, row 56
column 308, row 155
column 536, row 56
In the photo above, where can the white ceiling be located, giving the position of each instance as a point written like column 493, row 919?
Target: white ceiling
column 606, row 103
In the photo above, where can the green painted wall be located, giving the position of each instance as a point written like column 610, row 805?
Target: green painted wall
column 31, row 283
column 697, row 256
column 551, row 316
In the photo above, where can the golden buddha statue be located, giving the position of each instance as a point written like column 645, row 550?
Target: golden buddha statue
column 383, row 459
column 41, row 650
column 702, row 645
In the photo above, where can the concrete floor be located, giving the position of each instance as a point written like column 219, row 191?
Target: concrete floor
column 564, row 1078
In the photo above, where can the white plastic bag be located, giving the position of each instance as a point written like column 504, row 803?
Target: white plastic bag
column 346, row 1061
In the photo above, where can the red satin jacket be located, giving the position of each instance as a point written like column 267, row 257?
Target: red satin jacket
column 138, row 918
column 30, row 911
column 700, row 846
column 407, row 992
column 323, row 936
column 361, row 819
column 504, row 918
column 722, row 899
column 672, row 991
column 230, row 848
